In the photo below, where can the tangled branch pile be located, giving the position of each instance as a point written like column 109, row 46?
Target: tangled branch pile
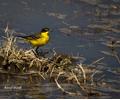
column 62, row 67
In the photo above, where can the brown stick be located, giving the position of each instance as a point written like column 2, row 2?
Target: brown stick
column 62, row 89
column 96, row 61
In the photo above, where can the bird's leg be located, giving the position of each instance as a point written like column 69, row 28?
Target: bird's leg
column 35, row 51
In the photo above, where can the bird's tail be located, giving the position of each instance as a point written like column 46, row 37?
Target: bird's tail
column 19, row 36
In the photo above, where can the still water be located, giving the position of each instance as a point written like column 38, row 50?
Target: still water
column 79, row 27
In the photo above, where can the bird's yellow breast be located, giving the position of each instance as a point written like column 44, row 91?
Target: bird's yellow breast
column 40, row 41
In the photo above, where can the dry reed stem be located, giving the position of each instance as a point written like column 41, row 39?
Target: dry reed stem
column 83, row 71
column 61, row 88
column 77, row 80
column 107, row 53
column 52, row 71
column 54, row 52
column 92, row 77
column 41, row 75
column 6, row 29
column 31, row 63
column 96, row 61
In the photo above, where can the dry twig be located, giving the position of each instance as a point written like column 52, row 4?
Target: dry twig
column 96, row 61
column 77, row 80
column 84, row 75
column 62, row 89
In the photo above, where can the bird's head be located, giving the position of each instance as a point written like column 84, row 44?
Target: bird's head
column 45, row 30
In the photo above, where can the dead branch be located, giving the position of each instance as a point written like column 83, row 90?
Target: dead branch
column 84, row 75
column 77, row 80
column 61, row 88
column 98, row 60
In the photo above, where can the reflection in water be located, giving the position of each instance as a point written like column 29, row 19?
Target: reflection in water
column 79, row 27
column 20, row 87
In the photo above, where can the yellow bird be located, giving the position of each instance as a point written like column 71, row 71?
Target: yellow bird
column 39, row 39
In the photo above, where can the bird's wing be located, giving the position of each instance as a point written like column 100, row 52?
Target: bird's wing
column 31, row 37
